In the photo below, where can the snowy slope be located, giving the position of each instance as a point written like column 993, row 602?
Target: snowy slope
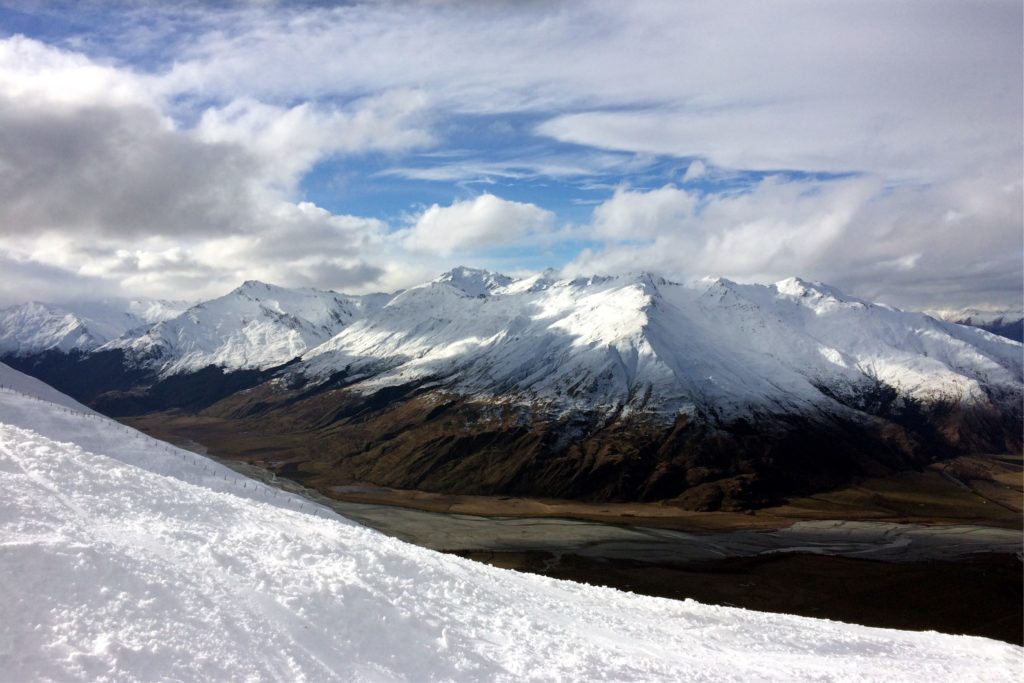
column 122, row 558
column 644, row 343
column 35, row 327
column 256, row 325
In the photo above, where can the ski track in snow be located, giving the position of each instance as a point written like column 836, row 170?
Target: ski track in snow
column 124, row 558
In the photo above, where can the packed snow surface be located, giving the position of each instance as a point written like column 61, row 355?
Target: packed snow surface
column 123, row 558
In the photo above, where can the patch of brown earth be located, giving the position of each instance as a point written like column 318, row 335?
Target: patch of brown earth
column 411, row 438
column 983, row 490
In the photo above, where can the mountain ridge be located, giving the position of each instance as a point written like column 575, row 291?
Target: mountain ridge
column 254, row 326
column 36, row 327
column 710, row 393
column 612, row 319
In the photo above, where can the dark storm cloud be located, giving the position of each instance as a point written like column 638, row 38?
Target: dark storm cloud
column 116, row 171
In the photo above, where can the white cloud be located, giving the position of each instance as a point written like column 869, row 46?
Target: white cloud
column 839, row 136
column 908, row 262
column 562, row 165
column 37, row 74
column 696, row 169
column 897, row 244
column 484, row 222
column 633, row 215
column 185, row 178
column 103, row 193
column 907, row 90
column 290, row 140
column 294, row 245
column 105, row 169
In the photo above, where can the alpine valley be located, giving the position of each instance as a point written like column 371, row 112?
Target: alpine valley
column 709, row 394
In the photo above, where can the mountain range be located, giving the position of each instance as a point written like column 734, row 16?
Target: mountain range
column 708, row 393
column 34, row 327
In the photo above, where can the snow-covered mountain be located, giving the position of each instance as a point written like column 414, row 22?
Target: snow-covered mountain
column 34, row 327
column 473, row 281
column 645, row 344
column 977, row 316
column 124, row 558
column 255, row 326
column 710, row 393
column 152, row 311
column 634, row 343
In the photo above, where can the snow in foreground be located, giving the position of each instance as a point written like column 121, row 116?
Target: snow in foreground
column 124, row 558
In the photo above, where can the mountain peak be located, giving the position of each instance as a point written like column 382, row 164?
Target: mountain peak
column 474, row 281
column 38, row 307
column 257, row 289
column 255, row 285
column 795, row 286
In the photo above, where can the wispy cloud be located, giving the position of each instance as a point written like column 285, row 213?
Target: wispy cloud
column 552, row 165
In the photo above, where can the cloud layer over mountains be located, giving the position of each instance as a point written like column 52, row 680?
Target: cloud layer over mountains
column 175, row 152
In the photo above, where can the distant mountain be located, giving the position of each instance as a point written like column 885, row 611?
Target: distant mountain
column 34, row 327
column 709, row 393
column 1007, row 323
column 255, row 326
column 647, row 345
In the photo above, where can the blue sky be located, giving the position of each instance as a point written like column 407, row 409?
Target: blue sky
column 173, row 150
